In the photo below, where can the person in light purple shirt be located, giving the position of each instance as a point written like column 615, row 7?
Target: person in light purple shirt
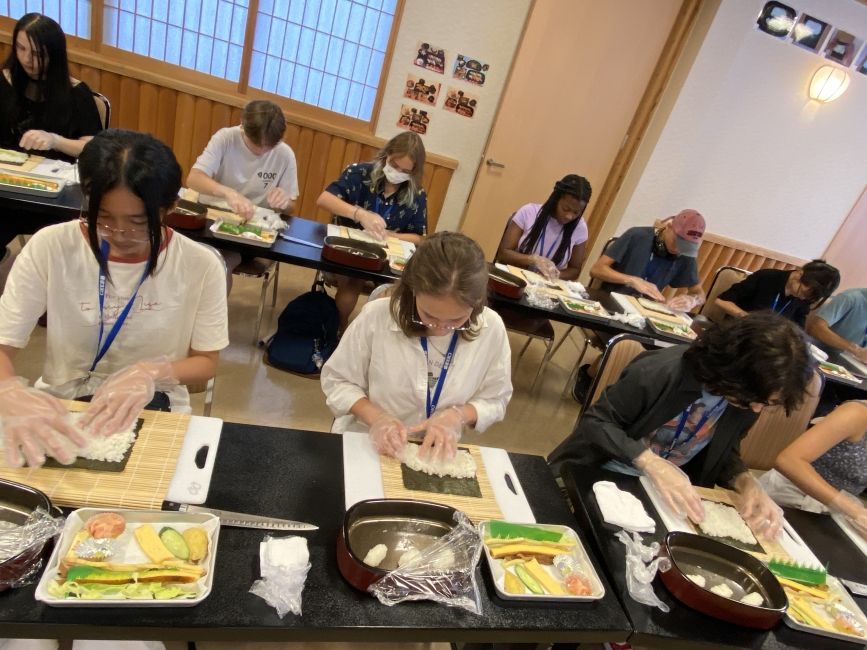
column 550, row 238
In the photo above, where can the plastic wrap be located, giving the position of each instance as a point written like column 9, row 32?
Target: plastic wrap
column 444, row 572
column 641, row 568
column 283, row 563
column 39, row 527
column 539, row 296
column 636, row 320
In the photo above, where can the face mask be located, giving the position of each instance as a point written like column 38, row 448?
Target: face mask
column 394, row 176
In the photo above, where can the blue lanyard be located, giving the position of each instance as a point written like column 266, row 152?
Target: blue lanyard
column 650, row 268
column 708, row 412
column 388, row 208
column 864, row 340
column 542, row 244
column 785, row 307
column 431, row 404
column 102, row 348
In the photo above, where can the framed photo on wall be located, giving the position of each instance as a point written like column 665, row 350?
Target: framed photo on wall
column 776, row 19
column 809, row 32
column 861, row 62
column 842, row 47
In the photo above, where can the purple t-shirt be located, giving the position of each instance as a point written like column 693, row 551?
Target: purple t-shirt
column 524, row 219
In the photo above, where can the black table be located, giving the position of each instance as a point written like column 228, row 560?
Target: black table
column 683, row 627
column 299, row 475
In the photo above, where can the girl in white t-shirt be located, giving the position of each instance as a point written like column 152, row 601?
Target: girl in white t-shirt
column 550, row 238
column 430, row 360
column 133, row 307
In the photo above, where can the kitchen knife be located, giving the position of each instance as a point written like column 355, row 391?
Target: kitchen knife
column 244, row 520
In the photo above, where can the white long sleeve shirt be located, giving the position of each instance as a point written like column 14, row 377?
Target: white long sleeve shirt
column 375, row 359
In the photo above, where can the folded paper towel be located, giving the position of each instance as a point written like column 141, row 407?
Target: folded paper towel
column 283, row 563
column 621, row 508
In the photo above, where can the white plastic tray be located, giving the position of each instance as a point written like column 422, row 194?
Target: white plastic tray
column 30, row 190
column 132, row 554
column 243, row 240
column 593, row 308
column 847, row 601
column 498, row 573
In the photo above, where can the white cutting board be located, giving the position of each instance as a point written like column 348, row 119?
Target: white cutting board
column 190, row 484
column 851, row 533
column 362, row 477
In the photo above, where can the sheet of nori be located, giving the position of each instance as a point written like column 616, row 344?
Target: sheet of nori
column 750, row 548
column 464, row 487
column 100, row 465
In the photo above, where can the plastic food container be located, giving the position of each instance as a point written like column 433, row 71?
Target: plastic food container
column 355, row 253
column 505, row 283
column 265, row 241
column 17, row 502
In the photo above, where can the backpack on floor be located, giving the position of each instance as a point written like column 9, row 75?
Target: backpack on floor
column 306, row 334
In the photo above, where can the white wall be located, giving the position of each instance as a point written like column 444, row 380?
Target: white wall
column 485, row 29
column 746, row 147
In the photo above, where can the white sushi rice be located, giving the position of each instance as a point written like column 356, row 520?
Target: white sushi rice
column 106, row 448
column 461, row 466
column 697, row 579
column 723, row 590
column 753, row 598
column 376, row 555
column 721, row 520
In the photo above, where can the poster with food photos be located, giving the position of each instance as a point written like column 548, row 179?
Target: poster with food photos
column 461, row 102
column 471, row 70
column 421, row 90
column 430, row 57
column 413, row 119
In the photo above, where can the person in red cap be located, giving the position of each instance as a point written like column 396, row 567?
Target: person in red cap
column 644, row 260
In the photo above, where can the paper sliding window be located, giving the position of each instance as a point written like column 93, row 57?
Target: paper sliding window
column 328, row 53
column 202, row 35
column 72, row 15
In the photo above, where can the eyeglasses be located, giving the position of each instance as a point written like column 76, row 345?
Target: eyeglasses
column 131, row 234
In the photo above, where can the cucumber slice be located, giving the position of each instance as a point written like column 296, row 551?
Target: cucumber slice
column 503, row 529
column 528, row 580
column 175, row 542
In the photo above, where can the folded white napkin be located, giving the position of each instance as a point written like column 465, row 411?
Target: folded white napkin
column 284, row 563
column 621, row 508
column 818, row 353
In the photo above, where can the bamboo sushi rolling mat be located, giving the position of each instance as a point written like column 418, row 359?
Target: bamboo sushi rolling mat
column 649, row 313
column 143, row 484
column 721, row 495
column 476, row 508
column 32, row 161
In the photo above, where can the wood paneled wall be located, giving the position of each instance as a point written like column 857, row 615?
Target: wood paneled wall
column 185, row 120
column 717, row 251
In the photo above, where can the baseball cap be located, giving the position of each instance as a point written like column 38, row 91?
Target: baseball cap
column 689, row 226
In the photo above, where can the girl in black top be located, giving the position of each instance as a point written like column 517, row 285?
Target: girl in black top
column 43, row 109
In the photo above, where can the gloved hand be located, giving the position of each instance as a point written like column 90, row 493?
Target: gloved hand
column 860, row 354
column 545, row 267
column 371, row 222
column 36, row 139
column 278, row 199
column 240, row 204
column 388, row 434
column 118, row 401
column 757, row 508
column 645, row 288
column 853, row 509
column 442, row 432
column 672, row 483
column 35, row 425
column 684, row 302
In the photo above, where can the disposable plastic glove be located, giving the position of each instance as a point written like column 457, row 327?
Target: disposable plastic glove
column 35, row 425
column 118, row 401
column 853, row 509
column 545, row 267
column 371, row 222
column 36, row 139
column 757, row 508
column 684, row 302
column 673, row 484
column 278, row 199
column 645, row 288
column 240, row 205
column 442, row 432
column 388, row 434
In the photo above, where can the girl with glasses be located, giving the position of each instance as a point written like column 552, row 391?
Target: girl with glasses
column 135, row 310
column 428, row 361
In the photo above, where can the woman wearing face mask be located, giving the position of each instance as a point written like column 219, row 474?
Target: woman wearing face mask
column 385, row 198
column 44, row 110
column 550, row 238
column 137, row 310
column 428, row 361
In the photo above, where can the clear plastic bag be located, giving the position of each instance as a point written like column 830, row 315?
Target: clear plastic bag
column 283, row 563
column 539, row 296
column 445, row 572
column 39, row 527
column 641, row 569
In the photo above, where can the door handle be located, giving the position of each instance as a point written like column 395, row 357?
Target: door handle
column 490, row 162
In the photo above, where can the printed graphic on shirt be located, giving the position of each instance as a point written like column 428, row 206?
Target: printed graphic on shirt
column 680, row 449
